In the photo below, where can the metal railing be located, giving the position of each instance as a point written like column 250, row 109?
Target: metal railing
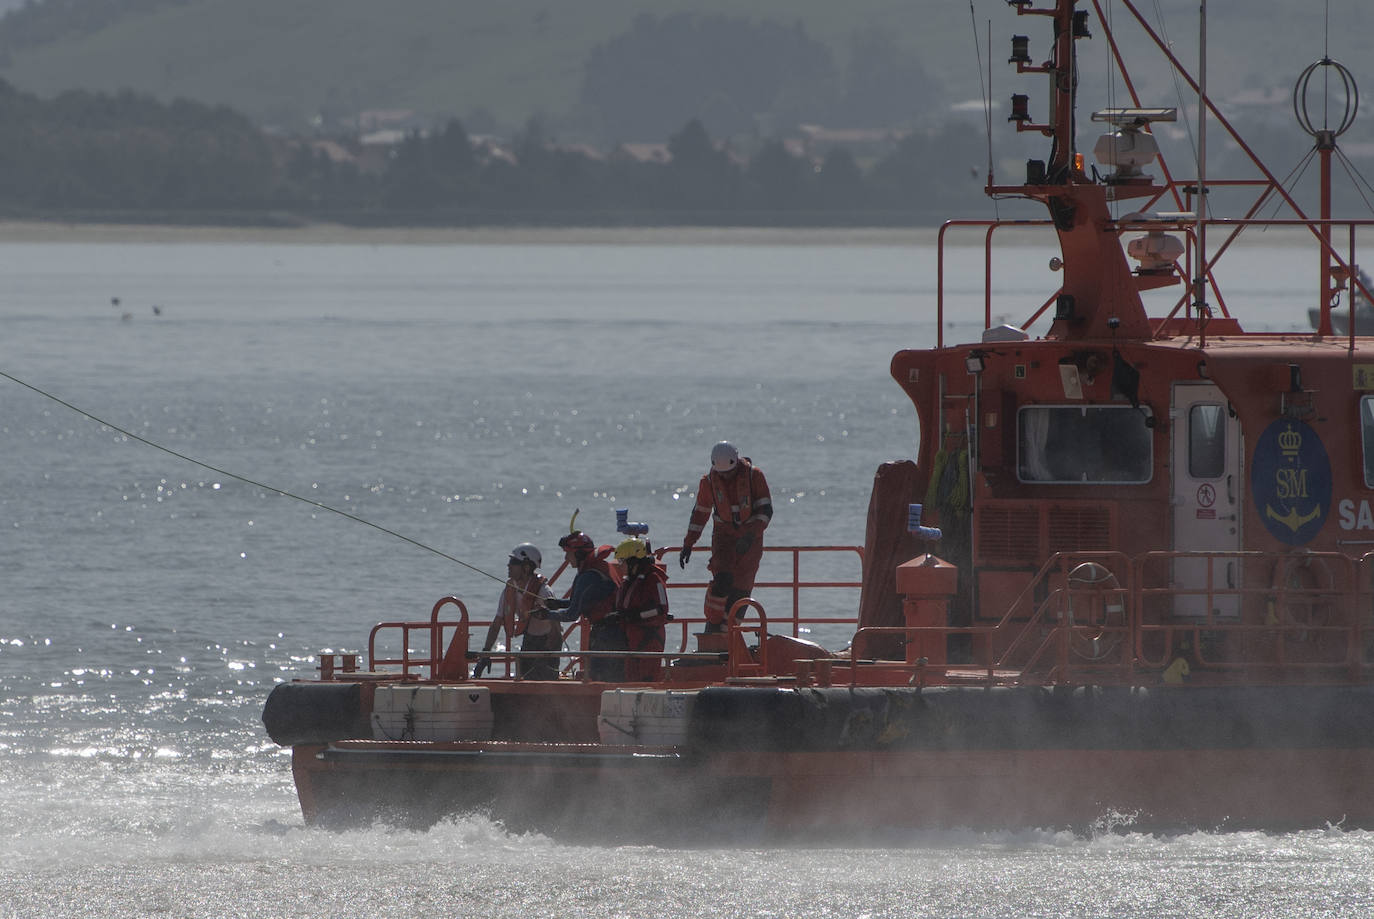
column 439, row 659
column 1310, row 620
column 1321, row 232
column 797, row 622
column 437, row 649
column 1280, row 631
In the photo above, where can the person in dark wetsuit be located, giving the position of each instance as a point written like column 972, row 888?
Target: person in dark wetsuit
column 592, row 598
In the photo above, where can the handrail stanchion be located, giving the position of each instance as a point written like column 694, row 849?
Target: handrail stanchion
column 740, row 660
column 455, row 657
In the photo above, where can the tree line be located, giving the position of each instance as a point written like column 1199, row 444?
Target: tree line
column 732, row 72
column 127, row 156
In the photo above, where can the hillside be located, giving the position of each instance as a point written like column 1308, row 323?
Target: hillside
column 497, row 64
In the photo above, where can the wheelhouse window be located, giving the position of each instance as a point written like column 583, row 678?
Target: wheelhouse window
column 1367, row 435
column 1206, row 441
column 1084, row 444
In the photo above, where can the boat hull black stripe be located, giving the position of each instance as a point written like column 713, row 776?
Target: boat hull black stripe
column 1032, row 718
column 421, row 755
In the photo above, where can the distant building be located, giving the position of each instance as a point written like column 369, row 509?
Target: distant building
column 393, row 119
column 643, row 153
column 337, row 152
column 814, row 141
column 584, row 150
column 388, row 137
column 492, row 149
column 332, row 150
column 374, row 150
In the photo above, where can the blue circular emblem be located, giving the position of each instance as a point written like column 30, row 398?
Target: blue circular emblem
column 1290, row 480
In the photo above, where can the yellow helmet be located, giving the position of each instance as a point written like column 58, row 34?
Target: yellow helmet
column 632, row 548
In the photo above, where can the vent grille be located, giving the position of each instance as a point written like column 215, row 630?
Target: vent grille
column 1008, row 534
column 1078, row 528
column 1027, row 533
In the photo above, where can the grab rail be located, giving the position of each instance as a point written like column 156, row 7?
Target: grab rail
column 451, row 659
column 1316, row 632
column 433, row 661
column 1321, row 630
column 1320, row 230
column 795, row 585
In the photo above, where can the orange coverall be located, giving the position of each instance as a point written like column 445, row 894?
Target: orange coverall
column 740, row 507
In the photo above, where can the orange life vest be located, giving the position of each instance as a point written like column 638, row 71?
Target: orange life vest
column 741, row 501
column 644, row 592
column 516, row 603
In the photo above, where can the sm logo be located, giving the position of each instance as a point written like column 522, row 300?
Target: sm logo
column 1290, row 480
column 1291, row 484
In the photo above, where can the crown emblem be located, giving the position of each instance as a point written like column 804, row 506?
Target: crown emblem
column 1290, row 442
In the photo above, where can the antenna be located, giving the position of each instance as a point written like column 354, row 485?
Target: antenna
column 1324, row 139
column 986, row 90
column 1200, row 282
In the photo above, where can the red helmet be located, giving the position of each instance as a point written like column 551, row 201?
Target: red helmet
column 576, row 541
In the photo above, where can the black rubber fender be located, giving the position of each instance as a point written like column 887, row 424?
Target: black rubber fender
column 761, row 718
column 746, row 718
column 298, row 713
column 1032, row 717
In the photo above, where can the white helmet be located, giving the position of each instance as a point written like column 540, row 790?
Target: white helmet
column 724, row 456
column 525, row 552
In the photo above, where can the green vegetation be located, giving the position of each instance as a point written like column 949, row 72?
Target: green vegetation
column 283, row 63
column 286, row 91
column 496, row 64
column 88, row 156
column 127, row 152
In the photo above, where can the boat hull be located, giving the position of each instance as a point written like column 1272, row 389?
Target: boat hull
column 843, row 763
column 843, row 795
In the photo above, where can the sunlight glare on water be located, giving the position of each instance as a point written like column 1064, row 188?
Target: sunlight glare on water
column 469, row 397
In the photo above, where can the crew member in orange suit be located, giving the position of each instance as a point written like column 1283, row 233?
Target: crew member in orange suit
column 641, row 602
column 734, row 495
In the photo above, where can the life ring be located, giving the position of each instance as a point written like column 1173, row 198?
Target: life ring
column 1306, row 584
column 1100, row 611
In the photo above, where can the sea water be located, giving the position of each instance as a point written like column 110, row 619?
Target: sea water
column 467, row 394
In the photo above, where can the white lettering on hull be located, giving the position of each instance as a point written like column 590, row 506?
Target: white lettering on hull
column 1353, row 517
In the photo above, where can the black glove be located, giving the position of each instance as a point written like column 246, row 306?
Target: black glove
column 684, row 557
column 483, row 665
column 743, row 543
column 555, row 603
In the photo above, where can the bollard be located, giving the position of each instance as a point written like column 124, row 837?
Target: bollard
column 926, row 584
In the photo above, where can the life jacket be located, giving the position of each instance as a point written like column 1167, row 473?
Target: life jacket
column 735, row 502
column 615, row 569
column 517, row 603
column 597, row 563
column 644, row 592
